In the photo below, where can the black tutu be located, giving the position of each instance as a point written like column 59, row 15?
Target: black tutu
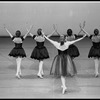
column 73, row 51
column 63, row 66
column 94, row 52
column 40, row 53
column 17, row 52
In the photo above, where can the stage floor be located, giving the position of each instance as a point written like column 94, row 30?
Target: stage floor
column 83, row 85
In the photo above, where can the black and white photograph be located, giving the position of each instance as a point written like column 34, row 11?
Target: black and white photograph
column 50, row 49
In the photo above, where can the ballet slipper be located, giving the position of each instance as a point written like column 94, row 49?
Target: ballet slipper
column 20, row 74
column 97, row 75
column 40, row 76
column 64, row 89
column 17, row 76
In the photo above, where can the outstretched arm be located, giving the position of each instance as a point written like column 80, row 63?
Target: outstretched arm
column 71, row 42
column 28, row 32
column 8, row 31
column 55, row 43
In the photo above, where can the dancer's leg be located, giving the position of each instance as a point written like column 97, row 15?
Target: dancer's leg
column 42, row 72
column 96, row 60
column 18, row 61
column 40, row 69
column 63, row 84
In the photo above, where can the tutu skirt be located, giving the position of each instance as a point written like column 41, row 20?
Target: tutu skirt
column 17, row 52
column 73, row 51
column 94, row 52
column 63, row 66
column 40, row 53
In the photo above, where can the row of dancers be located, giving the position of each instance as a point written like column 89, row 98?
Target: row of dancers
column 63, row 64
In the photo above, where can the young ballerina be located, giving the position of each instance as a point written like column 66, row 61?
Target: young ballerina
column 62, row 60
column 40, row 52
column 18, row 51
column 95, row 48
column 72, row 50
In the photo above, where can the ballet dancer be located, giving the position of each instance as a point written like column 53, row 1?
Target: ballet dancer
column 18, row 51
column 62, row 60
column 94, row 51
column 72, row 50
column 40, row 52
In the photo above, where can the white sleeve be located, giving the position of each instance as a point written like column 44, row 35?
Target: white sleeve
column 56, row 44
column 68, row 43
column 72, row 42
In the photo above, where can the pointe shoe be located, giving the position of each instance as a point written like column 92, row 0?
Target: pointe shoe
column 97, row 75
column 17, row 76
column 64, row 89
column 42, row 73
column 20, row 74
column 40, row 76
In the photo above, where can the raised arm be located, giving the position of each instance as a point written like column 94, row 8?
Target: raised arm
column 81, row 27
column 56, row 29
column 85, row 32
column 57, row 32
column 52, row 32
column 79, row 31
column 28, row 31
column 71, row 42
column 8, row 31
